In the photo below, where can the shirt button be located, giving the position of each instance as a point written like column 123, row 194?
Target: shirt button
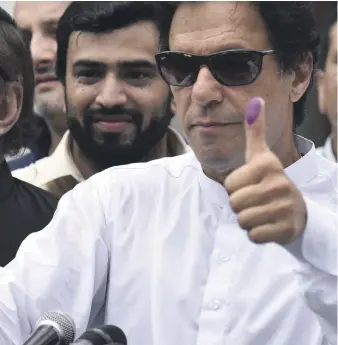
column 225, row 258
column 215, row 304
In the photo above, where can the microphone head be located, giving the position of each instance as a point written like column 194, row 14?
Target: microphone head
column 62, row 323
column 105, row 335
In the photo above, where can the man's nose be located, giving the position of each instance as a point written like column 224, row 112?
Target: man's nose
column 43, row 50
column 112, row 93
column 206, row 90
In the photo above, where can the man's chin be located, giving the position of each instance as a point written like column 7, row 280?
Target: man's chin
column 107, row 156
column 52, row 98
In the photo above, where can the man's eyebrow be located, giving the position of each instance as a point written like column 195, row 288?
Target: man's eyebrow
column 87, row 63
column 138, row 64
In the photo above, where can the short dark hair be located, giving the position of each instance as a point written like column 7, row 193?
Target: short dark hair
column 101, row 16
column 325, row 40
column 16, row 63
column 292, row 33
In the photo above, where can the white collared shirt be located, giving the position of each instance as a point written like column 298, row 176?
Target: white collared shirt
column 155, row 249
column 326, row 151
column 61, row 164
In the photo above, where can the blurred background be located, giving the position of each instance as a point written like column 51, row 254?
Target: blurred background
column 8, row 6
column 316, row 126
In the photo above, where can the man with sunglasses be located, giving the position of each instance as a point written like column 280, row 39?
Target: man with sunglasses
column 234, row 243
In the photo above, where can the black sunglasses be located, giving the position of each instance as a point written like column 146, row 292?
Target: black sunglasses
column 233, row 67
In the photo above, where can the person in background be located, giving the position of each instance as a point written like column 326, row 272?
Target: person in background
column 327, row 91
column 232, row 243
column 38, row 21
column 117, row 106
column 23, row 208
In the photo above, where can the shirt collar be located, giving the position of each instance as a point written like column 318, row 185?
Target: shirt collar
column 66, row 166
column 6, row 180
column 300, row 172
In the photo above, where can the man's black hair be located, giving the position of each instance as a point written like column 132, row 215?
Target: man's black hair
column 101, row 16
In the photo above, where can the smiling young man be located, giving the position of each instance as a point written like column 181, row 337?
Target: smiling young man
column 117, row 106
column 234, row 243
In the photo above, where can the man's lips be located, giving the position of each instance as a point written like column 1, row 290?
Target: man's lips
column 112, row 118
column 209, row 123
column 111, row 123
column 45, row 78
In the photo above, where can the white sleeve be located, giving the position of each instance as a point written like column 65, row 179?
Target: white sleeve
column 316, row 251
column 61, row 268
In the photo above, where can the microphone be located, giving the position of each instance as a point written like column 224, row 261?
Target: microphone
column 103, row 335
column 53, row 328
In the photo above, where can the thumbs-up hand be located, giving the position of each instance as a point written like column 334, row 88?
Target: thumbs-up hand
column 268, row 205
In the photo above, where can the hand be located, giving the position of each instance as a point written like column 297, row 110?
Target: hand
column 269, row 206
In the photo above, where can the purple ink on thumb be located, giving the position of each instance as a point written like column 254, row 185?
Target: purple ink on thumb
column 252, row 110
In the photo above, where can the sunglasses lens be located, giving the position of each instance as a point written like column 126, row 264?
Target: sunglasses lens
column 177, row 69
column 236, row 68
